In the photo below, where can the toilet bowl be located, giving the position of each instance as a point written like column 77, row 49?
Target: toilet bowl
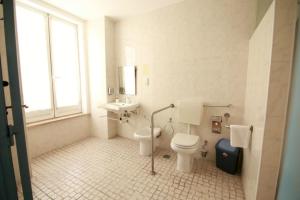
column 144, row 138
column 185, row 146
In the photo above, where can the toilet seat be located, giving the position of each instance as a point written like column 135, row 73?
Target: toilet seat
column 185, row 141
column 185, row 147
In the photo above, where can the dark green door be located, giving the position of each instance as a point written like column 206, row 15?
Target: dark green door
column 7, row 177
column 12, row 133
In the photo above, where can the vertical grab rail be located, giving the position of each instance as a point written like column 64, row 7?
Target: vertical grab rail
column 152, row 135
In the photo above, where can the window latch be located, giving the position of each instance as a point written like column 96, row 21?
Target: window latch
column 23, row 106
column 10, row 107
column 5, row 83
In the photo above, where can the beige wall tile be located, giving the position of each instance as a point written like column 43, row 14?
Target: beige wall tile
column 193, row 49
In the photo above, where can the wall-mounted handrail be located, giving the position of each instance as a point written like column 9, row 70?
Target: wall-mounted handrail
column 152, row 135
column 218, row 106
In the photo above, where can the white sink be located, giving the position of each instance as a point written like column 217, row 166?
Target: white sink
column 121, row 106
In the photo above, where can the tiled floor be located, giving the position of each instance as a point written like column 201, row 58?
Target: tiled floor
column 100, row 169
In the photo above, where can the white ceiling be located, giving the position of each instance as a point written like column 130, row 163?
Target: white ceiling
column 93, row 9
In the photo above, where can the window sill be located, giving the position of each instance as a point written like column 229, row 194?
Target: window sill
column 48, row 121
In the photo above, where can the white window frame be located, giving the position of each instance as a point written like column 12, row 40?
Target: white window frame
column 49, row 113
column 67, row 110
column 56, row 112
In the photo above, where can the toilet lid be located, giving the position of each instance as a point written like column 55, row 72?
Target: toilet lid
column 185, row 140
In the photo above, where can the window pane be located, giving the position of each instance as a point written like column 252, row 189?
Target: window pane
column 34, row 60
column 65, row 62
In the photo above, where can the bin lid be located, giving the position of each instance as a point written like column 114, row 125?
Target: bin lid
column 224, row 145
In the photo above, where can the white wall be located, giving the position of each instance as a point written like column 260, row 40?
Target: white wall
column 47, row 137
column 101, row 74
column 111, row 74
column 196, row 48
column 259, row 64
column 97, row 76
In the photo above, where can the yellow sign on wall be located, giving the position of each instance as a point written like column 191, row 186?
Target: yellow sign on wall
column 146, row 70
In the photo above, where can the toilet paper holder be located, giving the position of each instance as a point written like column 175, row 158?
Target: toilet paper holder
column 251, row 128
column 216, row 125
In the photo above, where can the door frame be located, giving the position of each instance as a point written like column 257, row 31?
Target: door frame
column 285, row 139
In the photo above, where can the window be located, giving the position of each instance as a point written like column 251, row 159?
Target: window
column 50, row 64
column 65, row 66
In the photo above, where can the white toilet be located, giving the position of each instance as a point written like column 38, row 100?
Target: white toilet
column 185, row 144
column 144, row 137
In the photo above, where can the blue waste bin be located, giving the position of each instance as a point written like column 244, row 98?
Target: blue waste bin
column 227, row 157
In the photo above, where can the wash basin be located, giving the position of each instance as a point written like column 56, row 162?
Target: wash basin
column 121, row 106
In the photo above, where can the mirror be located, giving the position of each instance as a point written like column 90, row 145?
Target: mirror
column 127, row 80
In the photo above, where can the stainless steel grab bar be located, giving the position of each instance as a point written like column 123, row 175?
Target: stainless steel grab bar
column 152, row 135
column 218, row 106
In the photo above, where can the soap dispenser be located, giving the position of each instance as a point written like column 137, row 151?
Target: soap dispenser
column 216, row 124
